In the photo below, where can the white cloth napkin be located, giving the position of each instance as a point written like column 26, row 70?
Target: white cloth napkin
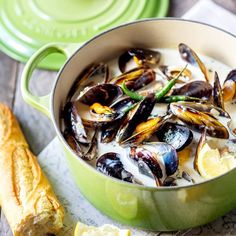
column 209, row 12
column 53, row 160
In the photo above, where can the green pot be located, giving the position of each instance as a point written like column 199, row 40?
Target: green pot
column 149, row 208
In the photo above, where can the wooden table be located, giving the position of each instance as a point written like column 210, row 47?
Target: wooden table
column 36, row 127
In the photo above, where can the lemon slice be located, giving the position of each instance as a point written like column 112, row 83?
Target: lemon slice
column 105, row 230
column 212, row 164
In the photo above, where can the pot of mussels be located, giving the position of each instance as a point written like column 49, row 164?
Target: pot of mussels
column 146, row 114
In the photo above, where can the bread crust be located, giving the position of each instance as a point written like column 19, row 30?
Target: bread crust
column 26, row 197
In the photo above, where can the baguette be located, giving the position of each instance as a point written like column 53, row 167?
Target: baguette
column 26, row 197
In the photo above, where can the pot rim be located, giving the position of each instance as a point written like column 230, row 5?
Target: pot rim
column 120, row 182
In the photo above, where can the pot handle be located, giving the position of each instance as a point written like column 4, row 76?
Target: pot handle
column 42, row 103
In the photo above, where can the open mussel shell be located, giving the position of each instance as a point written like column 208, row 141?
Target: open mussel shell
column 137, row 115
column 179, row 136
column 136, row 78
column 218, row 93
column 197, row 89
column 120, row 106
column 90, row 151
column 74, row 123
column 69, row 137
column 160, row 159
column 169, row 181
column 139, row 56
column 92, row 75
column 173, row 71
column 86, row 151
column 191, row 57
column 229, row 87
column 206, row 108
column 198, row 119
column 144, row 130
column 111, row 165
column 109, row 131
column 201, row 142
column 104, row 95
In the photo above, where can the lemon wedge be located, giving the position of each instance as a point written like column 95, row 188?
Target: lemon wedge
column 211, row 163
column 105, row 230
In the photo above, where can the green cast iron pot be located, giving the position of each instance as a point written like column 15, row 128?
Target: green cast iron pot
column 149, row 208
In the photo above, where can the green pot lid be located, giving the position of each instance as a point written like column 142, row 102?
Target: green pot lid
column 25, row 26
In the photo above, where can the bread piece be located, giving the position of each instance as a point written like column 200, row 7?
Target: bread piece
column 26, row 197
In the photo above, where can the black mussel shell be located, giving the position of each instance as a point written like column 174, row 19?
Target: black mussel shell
column 179, row 136
column 137, row 115
column 77, row 126
column 144, row 56
column 231, row 76
column 90, row 151
column 109, row 131
column 210, row 109
column 110, row 164
column 104, row 94
column 186, row 176
column 146, row 78
column 169, row 181
column 229, row 87
column 121, row 105
column 173, row 71
column 156, row 154
column 72, row 143
column 191, row 57
column 66, row 115
column 218, row 93
column 146, row 161
column 199, row 120
column 93, row 74
column 136, row 78
column 197, row 89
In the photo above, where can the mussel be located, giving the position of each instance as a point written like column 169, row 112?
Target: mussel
column 136, row 78
column 73, row 143
column 111, row 165
column 229, row 87
column 139, row 56
column 93, row 74
column 93, row 105
column 104, row 94
column 121, row 106
column 109, row 131
column 210, row 109
column 201, row 142
column 145, row 130
column 179, row 136
column 198, row 119
column 135, row 116
column 191, row 57
column 90, row 151
column 169, row 181
column 74, row 123
column 172, row 71
column 155, row 159
column 86, row 151
column 218, row 93
column 197, row 89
